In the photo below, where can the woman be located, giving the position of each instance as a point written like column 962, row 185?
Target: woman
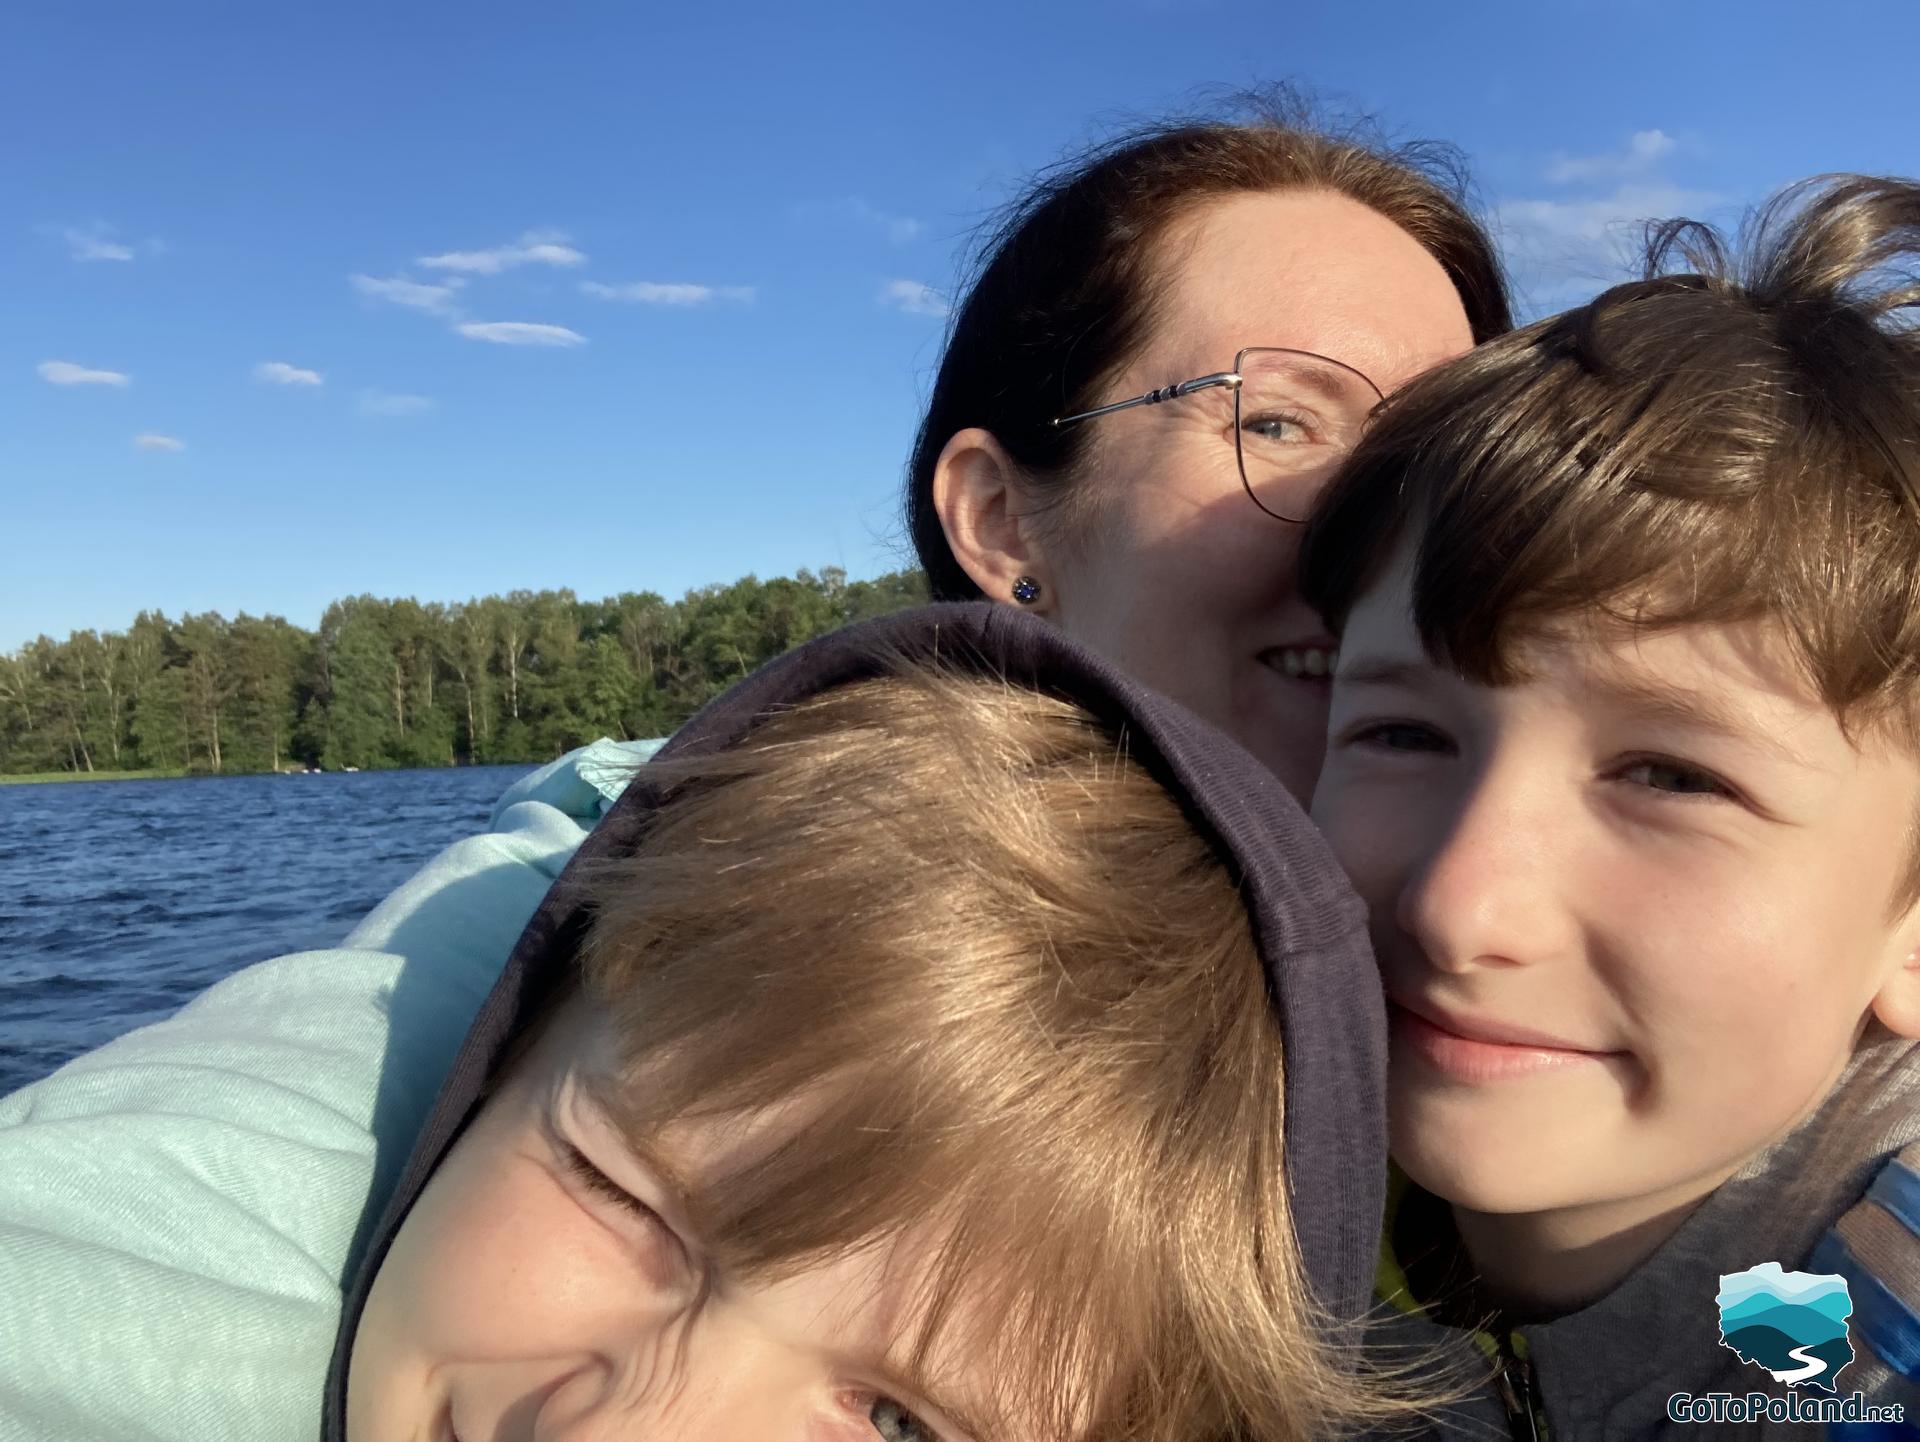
column 1147, row 533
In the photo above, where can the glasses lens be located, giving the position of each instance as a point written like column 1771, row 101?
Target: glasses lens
column 1299, row 415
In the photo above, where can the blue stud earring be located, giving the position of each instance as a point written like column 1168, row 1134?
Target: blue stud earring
column 1026, row 590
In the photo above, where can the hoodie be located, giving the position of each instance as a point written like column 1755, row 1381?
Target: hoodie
column 1309, row 927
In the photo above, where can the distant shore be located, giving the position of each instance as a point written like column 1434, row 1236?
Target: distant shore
column 41, row 778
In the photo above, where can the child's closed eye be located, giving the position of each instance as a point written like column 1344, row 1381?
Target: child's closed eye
column 651, row 1229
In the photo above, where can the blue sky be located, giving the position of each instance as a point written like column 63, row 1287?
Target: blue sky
column 440, row 300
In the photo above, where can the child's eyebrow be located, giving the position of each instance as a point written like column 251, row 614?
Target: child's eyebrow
column 1649, row 697
column 1662, row 701
column 1384, row 671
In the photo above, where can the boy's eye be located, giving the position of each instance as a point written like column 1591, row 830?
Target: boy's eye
column 895, row 1423
column 1675, row 778
column 1399, row 736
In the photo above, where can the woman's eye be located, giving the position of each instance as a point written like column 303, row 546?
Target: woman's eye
column 1400, row 736
column 1675, row 778
column 895, row 1423
column 1279, row 428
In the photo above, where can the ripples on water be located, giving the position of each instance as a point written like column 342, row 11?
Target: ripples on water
column 121, row 899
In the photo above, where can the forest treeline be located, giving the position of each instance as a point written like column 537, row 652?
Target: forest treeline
column 520, row 677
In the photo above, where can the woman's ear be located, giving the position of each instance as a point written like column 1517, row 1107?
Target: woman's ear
column 977, row 497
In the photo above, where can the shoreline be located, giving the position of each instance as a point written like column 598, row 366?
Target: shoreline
column 54, row 778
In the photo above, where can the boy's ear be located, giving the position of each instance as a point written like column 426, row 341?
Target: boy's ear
column 1897, row 1004
column 976, row 495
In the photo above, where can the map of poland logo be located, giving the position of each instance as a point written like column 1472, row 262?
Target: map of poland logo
column 1794, row 1324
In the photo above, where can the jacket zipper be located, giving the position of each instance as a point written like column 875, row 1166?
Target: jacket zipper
column 1518, row 1394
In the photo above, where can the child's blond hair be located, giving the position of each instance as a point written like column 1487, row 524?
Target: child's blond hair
column 1016, row 996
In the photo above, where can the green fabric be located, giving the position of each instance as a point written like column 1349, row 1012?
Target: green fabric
column 178, row 1208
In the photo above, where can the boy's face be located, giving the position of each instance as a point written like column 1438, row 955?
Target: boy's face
column 1631, row 912
column 548, row 1282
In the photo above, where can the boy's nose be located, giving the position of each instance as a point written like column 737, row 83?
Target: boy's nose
column 1484, row 888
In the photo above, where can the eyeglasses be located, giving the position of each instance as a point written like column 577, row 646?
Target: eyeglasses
column 1295, row 416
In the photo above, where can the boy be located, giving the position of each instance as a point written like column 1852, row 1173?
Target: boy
column 899, row 1059
column 1623, row 758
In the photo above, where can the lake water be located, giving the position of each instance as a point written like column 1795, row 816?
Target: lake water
column 119, row 900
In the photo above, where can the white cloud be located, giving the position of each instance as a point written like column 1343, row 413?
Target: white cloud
column 393, row 403
column 855, row 210
column 1645, row 149
column 520, row 332
column 652, row 292
column 913, row 297
column 66, row 373
column 1562, row 251
column 154, row 441
column 1563, row 248
column 279, row 373
column 94, row 244
column 536, row 247
column 435, row 299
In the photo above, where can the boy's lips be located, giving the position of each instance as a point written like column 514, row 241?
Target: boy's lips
column 1479, row 1049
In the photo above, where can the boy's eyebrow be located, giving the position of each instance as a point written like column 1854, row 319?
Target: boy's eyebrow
column 1648, row 696
column 1657, row 700
column 1383, row 671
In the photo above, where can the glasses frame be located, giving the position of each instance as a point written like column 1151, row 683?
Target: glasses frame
column 1234, row 381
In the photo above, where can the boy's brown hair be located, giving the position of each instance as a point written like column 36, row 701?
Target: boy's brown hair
column 1016, row 998
column 1735, row 436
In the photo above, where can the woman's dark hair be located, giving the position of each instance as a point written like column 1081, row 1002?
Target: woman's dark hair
column 1063, row 296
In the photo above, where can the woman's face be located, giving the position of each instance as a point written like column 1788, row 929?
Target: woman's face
column 1179, row 578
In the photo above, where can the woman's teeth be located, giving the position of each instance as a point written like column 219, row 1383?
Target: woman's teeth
column 1304, row 662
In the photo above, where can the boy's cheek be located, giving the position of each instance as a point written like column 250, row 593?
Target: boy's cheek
column 1363, row 829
